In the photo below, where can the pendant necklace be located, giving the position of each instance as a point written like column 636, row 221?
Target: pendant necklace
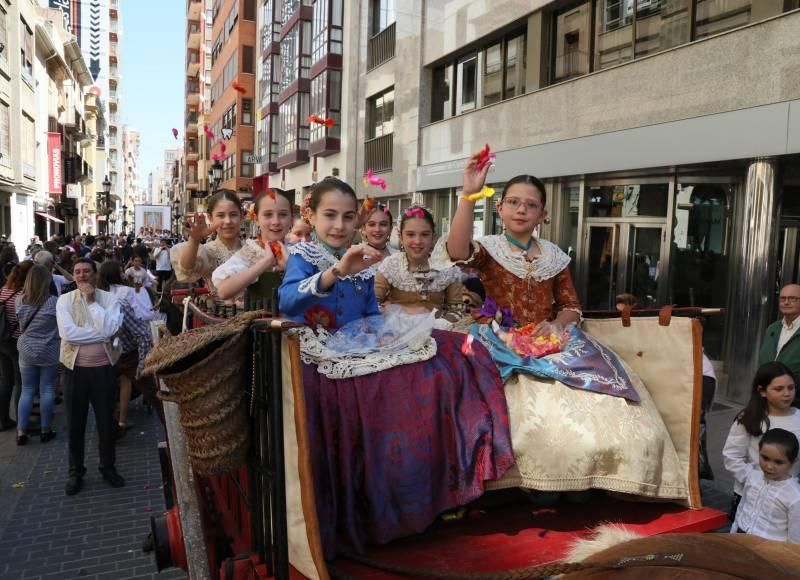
column 421, row 281
column 518, row 244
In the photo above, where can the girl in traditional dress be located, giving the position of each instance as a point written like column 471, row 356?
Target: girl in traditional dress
column 194, row 260
column 406, row 278
column 391, row 450
column 260, row 260
column 377, row 229
column 596, row 425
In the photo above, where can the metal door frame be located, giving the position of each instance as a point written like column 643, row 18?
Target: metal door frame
column 621, row 248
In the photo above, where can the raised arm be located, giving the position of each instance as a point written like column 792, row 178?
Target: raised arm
column 459, row 240
column 243, row 269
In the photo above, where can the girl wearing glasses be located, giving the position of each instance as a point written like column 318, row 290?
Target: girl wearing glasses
column 407, row 279
column 584, row 395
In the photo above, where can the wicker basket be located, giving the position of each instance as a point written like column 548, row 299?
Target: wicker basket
column 205, row 371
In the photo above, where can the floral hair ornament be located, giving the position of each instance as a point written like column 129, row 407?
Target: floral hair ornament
column 250, row 214
column 371, row 179
column 486, row 192
column 486, row 157
column 369, row 204
column 416, row 212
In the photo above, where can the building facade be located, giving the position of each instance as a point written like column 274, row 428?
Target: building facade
column 667, row 136
column 131, row 144
column 97, row 27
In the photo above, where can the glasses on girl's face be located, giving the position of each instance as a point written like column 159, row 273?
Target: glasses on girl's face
column 515, row 202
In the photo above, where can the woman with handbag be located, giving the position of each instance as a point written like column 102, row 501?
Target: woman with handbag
column 39, row 346
column 10, row 381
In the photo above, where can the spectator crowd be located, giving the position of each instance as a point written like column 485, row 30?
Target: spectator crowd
column 74, row 327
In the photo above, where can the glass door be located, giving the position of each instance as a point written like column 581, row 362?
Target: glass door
column 623, row 258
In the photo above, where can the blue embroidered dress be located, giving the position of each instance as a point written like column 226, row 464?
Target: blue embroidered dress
column 392, row 450
column 301, row 300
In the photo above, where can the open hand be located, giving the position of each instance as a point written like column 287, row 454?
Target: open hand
column 474, row 176
column 199, row 230
column 359, row 258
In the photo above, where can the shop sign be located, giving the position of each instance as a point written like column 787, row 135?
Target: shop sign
column 54, row 163
column 73, row 191
column 250, row 158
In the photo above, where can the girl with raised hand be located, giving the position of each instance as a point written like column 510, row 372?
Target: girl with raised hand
column 425, row 434
column 194, row 260
column 583, row 394
column 377, row 228
column 261, row 259
column 407, row 278
column 770, row 406
column 328, row 274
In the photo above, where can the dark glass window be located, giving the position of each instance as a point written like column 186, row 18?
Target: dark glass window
column 647, row 200
column 380, row 114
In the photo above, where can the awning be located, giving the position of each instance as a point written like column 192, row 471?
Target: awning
column 47, row 216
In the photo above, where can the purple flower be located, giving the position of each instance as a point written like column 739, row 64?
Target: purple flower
column 491, row 309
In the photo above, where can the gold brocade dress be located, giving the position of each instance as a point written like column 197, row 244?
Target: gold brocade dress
column 433, row 289
column 569, row 439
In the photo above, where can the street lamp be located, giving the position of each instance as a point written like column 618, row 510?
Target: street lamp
column 124, row 217
column 215, row 174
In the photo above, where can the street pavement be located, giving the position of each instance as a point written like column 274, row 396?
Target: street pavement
column 96, row 534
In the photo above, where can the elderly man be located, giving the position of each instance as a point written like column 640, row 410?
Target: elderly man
column 781, row 340
column 88, row 322
column 45, row 258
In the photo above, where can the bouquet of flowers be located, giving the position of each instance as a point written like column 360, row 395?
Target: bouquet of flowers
column 526, row 342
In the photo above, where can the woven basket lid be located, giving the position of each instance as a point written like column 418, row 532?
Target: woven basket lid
column 172, row 350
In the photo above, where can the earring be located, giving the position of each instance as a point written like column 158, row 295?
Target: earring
column 546, row 221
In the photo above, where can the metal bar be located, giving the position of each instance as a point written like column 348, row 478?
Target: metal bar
column 279, row 512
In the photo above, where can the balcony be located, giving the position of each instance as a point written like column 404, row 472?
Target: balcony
column 380, row 47
column 192, row 150
column 191, row 122
column 192, row 92
column 193, row 63
column 113, row 72
column 193, row 34
column 378, row 153
column 194, row 8
column 571, row 64
column 113, row 51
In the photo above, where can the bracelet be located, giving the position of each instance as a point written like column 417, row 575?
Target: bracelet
column 486, row 192
column 336, row 271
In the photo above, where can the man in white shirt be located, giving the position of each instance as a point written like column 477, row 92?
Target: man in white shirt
column 163, row 264
column 88, row 320
column 781, row 339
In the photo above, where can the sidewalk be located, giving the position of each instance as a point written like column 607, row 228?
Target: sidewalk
column 96, row 534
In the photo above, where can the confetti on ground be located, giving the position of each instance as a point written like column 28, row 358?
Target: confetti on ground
column 18, row 485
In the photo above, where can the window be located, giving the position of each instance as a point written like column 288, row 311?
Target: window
column 271, row 29
column 327, row 28
column 230, row 71
column 229, row 167
column 5, row 133
column 293, row 128
column 382, row 15
column 380, row 114
column 270, row 81
column 326, row 99
column 468, row 84
column 493, row 74
column 443, row 85
column 290, row 7
column 229, row 118
column 246, row 169
column 247, row 59
column 296, row 54
column 249, row 10
column 26, row 47
column 28, row 145
column 247, row 111
column 515, row 68
column 4, row 36
column 231, row 20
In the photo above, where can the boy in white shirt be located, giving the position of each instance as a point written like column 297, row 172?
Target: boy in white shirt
column 770, row 506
